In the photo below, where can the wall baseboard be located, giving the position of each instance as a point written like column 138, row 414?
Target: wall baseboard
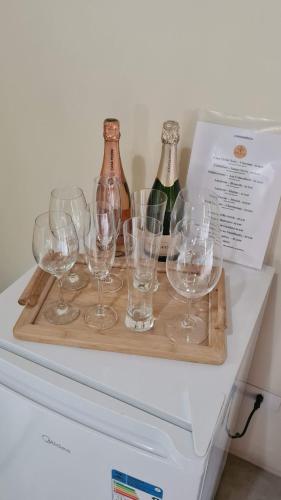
column 256, row 461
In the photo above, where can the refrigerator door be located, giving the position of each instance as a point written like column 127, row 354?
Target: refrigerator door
column 60, row 440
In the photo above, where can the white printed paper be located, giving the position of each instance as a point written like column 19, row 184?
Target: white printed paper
column 243, row 167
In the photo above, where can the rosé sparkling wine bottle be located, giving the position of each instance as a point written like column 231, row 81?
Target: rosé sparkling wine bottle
column 167, row 178
column 112, row 167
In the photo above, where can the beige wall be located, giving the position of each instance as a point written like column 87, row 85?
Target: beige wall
column 65, row 65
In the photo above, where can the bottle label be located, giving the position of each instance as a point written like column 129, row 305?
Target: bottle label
column 111, row 165
column 167, row 171
column 165, row 242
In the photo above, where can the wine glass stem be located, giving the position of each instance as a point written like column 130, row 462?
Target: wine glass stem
column 61, row 302
column 100, row 310
column 188, row 308
column 187, row 319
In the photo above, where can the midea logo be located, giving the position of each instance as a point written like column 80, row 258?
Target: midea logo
column 48, row 440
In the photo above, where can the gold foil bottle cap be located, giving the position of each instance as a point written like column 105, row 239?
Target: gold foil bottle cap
column 111, row 129
column 170, row 132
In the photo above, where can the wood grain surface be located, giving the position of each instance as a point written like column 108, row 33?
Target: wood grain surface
column 165, row 340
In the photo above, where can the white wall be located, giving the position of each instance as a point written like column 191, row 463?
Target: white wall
column 65, row 65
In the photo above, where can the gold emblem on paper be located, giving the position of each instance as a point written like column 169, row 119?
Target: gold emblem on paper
column 240, row 151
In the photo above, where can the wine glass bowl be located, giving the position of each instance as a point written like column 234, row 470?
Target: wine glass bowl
column 198, row 207
column 100, row 245
column 55, row 249
column 201, row 209
column 192, row 270
column 71, row 199
column 149, row 203
column 107, row 195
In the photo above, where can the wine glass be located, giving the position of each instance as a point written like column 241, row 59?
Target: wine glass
column 55, row 249
column 107, row 194
column 71, row 199
column 193, row 267
column 149, row 203
column 100, row 244
column 201, row 206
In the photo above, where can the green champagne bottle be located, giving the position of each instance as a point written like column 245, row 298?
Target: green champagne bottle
column 167, row 178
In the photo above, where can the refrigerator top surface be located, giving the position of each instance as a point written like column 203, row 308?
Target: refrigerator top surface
column 179, row 392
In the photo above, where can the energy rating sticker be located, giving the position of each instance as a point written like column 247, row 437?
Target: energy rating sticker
column 126, row 487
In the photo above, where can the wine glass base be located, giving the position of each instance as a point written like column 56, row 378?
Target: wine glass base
column 61, row 315
column 100, row 318
column 192, row 330
column 75, row 281
column 112, row 283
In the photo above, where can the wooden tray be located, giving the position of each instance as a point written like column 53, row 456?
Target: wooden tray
column 162, row 341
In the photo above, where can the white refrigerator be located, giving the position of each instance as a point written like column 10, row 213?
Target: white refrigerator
column 91, row 425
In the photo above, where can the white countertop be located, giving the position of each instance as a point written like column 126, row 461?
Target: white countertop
column 179, row 392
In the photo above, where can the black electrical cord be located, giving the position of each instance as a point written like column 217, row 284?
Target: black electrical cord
column 258, row 402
